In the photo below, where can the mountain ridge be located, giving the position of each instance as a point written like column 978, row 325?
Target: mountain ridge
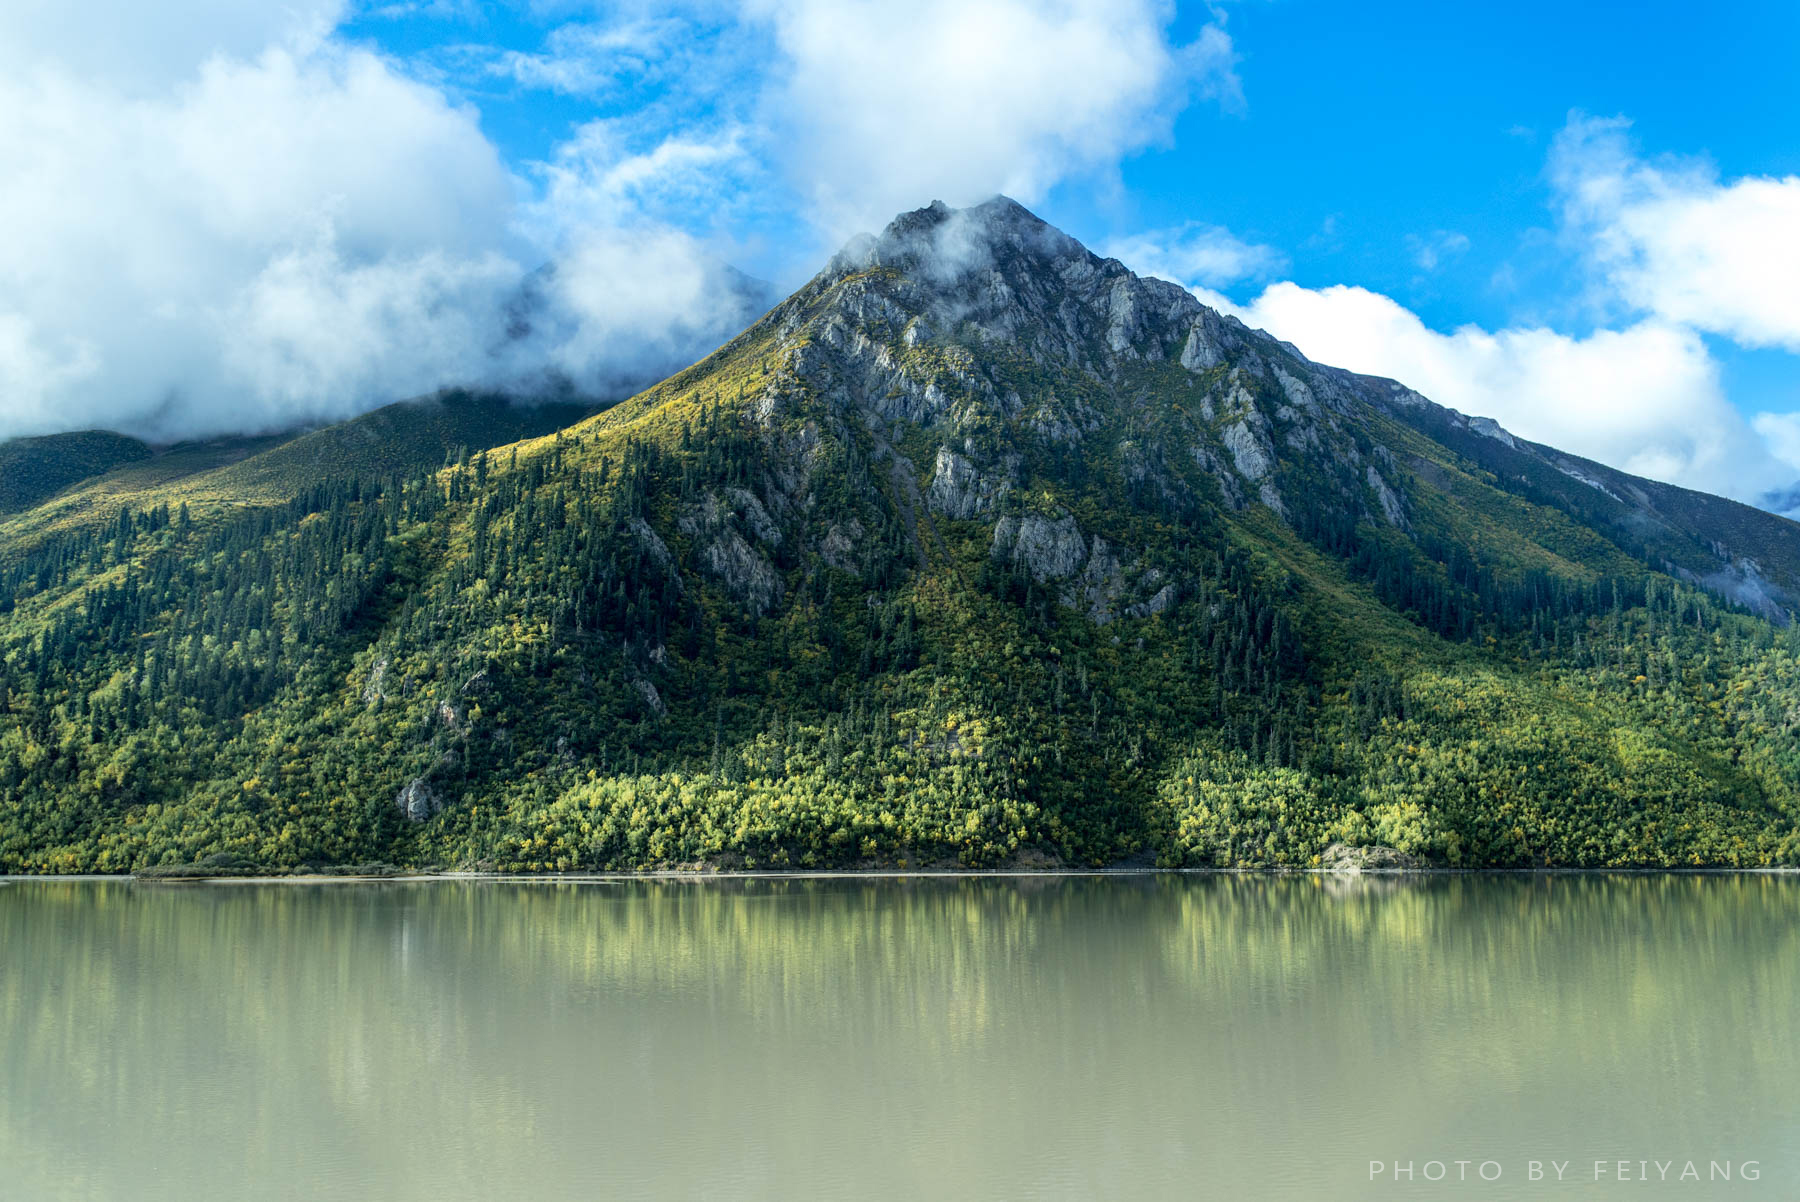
column 400, row 438
column 1148, row 318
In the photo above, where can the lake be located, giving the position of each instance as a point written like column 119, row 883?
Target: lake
column 1153, row 1036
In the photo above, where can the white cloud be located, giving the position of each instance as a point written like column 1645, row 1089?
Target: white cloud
column 1782, row 432
column 633, row 294
column 1670, row 238
column 1645, row 398
column 593, row 59
column 283, row 228
column 1673, row 248
column 879, row 107
column 1207, row 255
column 624, row 307
column 223, row 217
column 316, row 336
column 597, row 178
column 1433, row 250
column 233, row 219
column 138, row 48
column 170, row 235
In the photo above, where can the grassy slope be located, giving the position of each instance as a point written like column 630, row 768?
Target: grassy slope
column 183, row 472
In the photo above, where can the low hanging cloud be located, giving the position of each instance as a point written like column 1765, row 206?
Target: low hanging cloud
column 627, row 271
column 238, row 244
column 265, row 241
column 655, row 291
column 317, row 335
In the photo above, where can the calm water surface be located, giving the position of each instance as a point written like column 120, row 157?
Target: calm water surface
column 1122, row 1037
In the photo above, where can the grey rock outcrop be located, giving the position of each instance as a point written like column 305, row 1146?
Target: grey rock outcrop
column 839, row 546
column 1250, row 453
column 998, row 270
column 1296, row 390
column 1392, row 508
column 1488, row 427
column 1160, row 602
column 754, row 516
column 1109, row 587
column 1207, row 342
column 742, row 571
column 1343, row 857
column 1231, row 489
column 651, row 698
column 375, row 689
column 652, row 544
column 958, row 490
column 1096, row 577
column 1100, row 583
column 985, row 324
column 1050, row 548
column 418, row 800
column 715, row 522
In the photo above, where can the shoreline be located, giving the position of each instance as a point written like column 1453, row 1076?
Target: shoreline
column 689, row 875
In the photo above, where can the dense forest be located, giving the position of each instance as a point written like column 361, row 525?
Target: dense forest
column 846, row 594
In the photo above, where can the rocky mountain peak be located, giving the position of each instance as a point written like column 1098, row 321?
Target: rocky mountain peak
column 945, row 244
column 997, row 274
column 1012, row 349
column 987, row 357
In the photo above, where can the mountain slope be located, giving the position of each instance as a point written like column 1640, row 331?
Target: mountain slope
column 395, row 440
column 1742, row 553
column 32, row 469
column 978, row 549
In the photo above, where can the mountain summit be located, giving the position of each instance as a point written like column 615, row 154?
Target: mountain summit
column 979, row 549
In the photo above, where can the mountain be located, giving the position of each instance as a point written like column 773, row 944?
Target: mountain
column 32, row 469
column 398, row 439
column 978, row 549
column 423, row 433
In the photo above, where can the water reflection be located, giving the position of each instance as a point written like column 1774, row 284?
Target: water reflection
column 1056, row 1037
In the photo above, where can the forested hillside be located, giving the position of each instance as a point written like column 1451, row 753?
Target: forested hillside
column 978, row 550
column 394, row 441
column 32, row 469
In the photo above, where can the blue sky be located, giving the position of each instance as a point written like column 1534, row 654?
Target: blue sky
column 1583, row 220
column 1402, row 119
